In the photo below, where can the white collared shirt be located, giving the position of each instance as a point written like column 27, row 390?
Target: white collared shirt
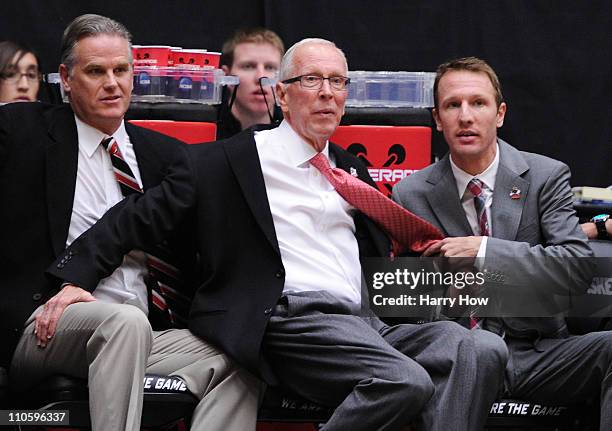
column 314, row 224
column 487, row 177
column 95, row 193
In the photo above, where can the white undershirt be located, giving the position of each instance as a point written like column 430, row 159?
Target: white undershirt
column 95, row 193
column 314, row 224
column 487, row 177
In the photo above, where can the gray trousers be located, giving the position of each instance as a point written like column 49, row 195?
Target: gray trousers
column 440, row 375
column 563, row 370
column 112, row 346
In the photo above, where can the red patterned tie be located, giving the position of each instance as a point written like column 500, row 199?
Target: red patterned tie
column 406, row 230
column 164, row 274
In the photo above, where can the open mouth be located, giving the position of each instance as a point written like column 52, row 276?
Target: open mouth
column 467, row 135
column 111, row 99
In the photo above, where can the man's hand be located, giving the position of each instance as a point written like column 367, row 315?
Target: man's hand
column 464, row 246
column 46, row 321
column 590, row 230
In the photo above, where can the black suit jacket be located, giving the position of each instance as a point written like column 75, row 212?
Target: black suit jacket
column 242, row 270
column 38, row 168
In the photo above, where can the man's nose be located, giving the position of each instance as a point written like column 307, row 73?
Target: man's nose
column 326, row 89
column 110, row 80
column 465, row 113
column 260, row 72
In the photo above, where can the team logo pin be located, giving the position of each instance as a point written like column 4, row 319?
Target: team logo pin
column 515, row 193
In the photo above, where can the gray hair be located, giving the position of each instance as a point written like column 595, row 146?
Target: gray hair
column 90, row 25
column 286, row 67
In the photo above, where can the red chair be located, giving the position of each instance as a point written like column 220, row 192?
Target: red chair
column 190, row 132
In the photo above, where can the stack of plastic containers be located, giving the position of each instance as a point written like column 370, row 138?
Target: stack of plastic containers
column 391, row 89
column 171, row 74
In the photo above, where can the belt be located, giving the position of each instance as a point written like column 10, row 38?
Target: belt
column 282, row 307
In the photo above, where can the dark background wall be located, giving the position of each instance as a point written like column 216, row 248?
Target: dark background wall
column 554, row 57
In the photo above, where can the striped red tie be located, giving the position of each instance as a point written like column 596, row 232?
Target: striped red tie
column 166, row 277
column 475, row 187
column 406, row 230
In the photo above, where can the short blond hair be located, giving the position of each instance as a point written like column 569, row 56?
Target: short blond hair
column 471, row 64
column 249, row 35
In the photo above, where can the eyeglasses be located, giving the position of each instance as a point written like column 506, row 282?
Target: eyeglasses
column 315, row 82
column 13, row 77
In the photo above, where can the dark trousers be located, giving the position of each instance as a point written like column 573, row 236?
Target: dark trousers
column 563, row 370
column 440, row 374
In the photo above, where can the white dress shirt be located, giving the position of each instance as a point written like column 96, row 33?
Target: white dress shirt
column 487, row 177
column 314, row 224
column 95, row 193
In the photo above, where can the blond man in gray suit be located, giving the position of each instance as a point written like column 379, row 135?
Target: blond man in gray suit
column 518, row 220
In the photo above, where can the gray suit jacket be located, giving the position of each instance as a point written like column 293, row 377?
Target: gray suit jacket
column 533, row 237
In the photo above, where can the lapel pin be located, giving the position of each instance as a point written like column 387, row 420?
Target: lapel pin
column 515, row 193
column 353, row 171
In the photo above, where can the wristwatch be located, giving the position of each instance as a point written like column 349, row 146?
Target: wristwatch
column 600, row 224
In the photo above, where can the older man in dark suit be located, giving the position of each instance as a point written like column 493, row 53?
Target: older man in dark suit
column 58, row 175
column 519, row 222
column 280, row 251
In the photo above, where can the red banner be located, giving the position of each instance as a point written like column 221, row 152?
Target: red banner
column 390, row 152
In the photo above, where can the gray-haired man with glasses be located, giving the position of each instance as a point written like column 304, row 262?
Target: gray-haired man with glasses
column 281, row 255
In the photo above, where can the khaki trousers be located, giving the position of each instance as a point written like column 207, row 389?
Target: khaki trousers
column 112, row 346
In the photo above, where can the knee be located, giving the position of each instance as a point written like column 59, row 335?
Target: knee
column 413, row 385
column 490, row 348
column 131, row 316
column 129, row 322
column 601, row 343
column 422, row 389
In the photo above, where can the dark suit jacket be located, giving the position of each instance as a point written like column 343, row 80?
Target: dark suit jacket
column 38, row 168
column 532, row 234
column 242, row 270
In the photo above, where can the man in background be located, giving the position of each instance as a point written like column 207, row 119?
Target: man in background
column 250, row 54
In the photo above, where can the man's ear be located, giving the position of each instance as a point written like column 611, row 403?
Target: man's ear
column 436, row 118
column 501, row 114
column 225, row 69
column 64, row 77
column 281, row 92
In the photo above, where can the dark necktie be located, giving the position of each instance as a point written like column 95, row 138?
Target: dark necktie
column 406, row 230
column 475, row 186
column 165, row 277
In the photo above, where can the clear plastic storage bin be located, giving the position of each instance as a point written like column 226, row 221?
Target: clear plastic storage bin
column 391, row 89
column 178, row 84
